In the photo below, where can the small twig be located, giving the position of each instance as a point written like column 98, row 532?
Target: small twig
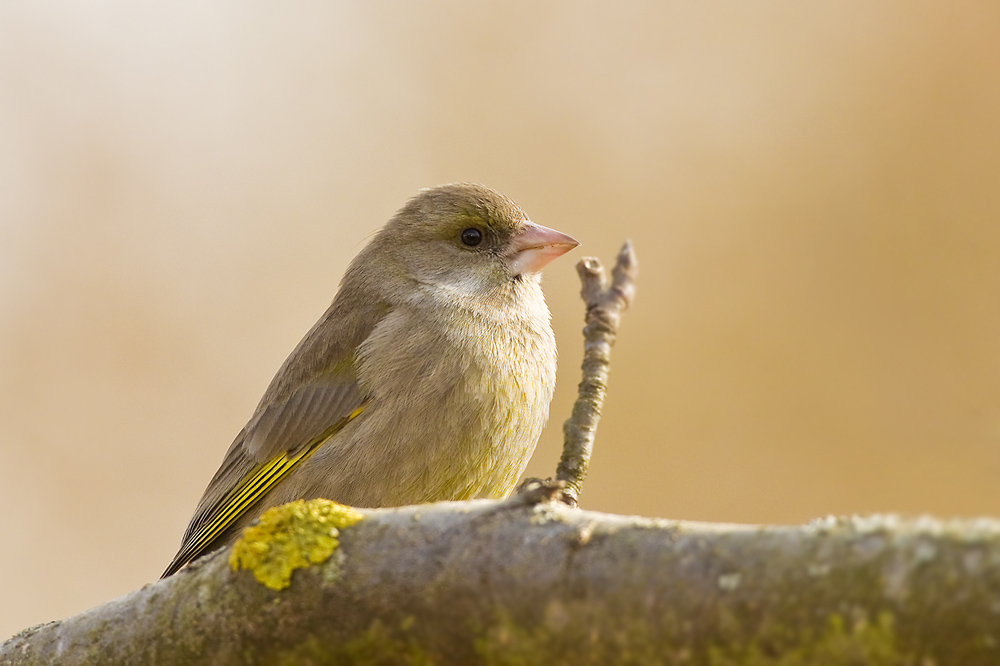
column 605, row 306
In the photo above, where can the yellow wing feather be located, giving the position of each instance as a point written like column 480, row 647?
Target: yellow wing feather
column 250, row 490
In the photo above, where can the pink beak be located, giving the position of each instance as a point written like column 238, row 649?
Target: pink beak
column 534, row 246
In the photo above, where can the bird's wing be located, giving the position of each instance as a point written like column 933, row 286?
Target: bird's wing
column 298, row 415
column 241, row 481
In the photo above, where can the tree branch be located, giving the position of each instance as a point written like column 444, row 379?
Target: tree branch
column 514, row 582
column 605, row 306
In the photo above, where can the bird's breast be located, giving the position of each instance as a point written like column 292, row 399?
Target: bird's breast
column 456, row 404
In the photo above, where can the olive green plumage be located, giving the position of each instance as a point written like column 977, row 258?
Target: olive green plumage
column 428, row 378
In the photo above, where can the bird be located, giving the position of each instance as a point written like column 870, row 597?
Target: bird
column 427, row 379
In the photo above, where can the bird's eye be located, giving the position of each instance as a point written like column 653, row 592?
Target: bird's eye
column 471, row 237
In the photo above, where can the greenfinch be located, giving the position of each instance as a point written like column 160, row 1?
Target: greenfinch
column 428, row 378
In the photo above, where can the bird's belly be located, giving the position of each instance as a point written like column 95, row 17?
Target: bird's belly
column 451, row 430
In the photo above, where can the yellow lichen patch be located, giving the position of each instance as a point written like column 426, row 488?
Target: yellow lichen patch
column 291, row 537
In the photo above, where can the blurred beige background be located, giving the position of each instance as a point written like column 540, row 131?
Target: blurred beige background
column 812, row 189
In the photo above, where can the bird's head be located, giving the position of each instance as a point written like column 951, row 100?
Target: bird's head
column 461, row 240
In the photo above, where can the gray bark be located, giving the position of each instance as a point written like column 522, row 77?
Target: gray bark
column 519, row 583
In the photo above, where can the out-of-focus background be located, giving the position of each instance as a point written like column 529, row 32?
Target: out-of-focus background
column 813, row 190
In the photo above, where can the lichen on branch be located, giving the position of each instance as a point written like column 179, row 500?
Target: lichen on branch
column 290, row 537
